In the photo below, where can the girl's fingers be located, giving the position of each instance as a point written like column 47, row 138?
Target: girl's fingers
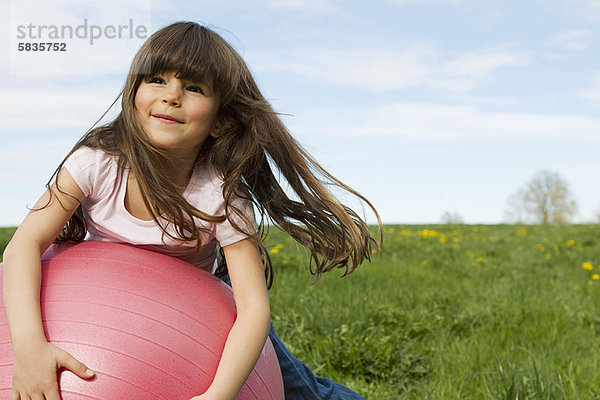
column 53, row 395
column 14, row 395
column 69, row 362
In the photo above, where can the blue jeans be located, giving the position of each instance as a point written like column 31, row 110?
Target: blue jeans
column 299, row 383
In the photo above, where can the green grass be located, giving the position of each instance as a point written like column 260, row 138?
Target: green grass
column 450, row 312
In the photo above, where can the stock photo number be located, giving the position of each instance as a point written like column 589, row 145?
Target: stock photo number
column 35, row 46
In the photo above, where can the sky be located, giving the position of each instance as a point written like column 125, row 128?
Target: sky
column 422, row 106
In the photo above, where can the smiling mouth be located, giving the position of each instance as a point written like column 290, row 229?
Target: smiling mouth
column 166, row 119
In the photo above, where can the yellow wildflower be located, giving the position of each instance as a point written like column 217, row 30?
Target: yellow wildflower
column 479, row 259
column 587, row 266
column 443, row 238
column 276, row 249
column 540, row 247
column 522, row 231
column 570, row 242
column 427, row 233
column 595, row 277
column 424, row 262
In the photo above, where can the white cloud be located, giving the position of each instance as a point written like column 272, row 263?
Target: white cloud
column 372, row 69
column 470, row 70
column 377, row 70
column 53, row 110
column 574, row 40
column 418, row 122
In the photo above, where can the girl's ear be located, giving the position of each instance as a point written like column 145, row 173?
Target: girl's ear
column 216, row 131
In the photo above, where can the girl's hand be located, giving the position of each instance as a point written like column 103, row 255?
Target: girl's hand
column 35, row 371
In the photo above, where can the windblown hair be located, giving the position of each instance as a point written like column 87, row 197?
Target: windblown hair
column 252, row 142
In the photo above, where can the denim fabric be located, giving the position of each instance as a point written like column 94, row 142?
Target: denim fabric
column 299, row 382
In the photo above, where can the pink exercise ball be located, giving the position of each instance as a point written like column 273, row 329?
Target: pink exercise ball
column 151, row 326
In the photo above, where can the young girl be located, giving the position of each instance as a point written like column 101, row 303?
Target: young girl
column 179, row 171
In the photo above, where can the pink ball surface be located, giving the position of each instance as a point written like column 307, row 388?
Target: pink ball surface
column 151, row 326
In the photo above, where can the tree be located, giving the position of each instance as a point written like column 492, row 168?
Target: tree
column 451, row 218
column 544, row 199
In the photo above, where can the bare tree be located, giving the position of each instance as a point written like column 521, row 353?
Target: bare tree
column 544, row 199
column 451, row 218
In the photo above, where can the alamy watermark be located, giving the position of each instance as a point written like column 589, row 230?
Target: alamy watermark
column 43, row 33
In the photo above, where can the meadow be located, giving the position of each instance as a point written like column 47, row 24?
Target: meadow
column 449, row 312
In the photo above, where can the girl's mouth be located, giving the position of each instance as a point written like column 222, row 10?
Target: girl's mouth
column 166, row 119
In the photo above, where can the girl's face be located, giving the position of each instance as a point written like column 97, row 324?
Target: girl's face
column 177, row 115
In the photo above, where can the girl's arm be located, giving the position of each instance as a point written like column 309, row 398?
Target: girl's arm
column 251, row 327
column 36, row 360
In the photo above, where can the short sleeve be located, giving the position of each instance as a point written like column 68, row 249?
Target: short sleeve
column 82, row 167
column 225, row 233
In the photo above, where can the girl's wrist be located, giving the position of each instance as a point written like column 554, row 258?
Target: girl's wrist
column 25, row 343
column 214, row 394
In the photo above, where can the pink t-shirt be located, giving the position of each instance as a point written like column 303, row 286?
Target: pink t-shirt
column 104, row 184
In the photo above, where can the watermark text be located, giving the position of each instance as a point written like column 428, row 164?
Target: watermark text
column 86, row 31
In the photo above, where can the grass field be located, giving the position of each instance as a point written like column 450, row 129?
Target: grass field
column 450, row 312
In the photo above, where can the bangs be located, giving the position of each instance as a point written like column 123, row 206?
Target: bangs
column 189, row 50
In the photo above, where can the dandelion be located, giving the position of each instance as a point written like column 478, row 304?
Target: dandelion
column 424, row 262
column 405, row 232
column 548, row 256
column 595, row 277
column 443, row 239
column 427, row 233
column 522, row 232
column 276, row 249
column 389, row 230
column 479, row 260
column 587, row 266
column 455, row 240
column 570, row 242
column 540, row 247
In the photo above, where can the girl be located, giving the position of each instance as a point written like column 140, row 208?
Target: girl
column 179, row 171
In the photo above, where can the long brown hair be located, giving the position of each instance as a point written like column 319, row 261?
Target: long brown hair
column 253, row 142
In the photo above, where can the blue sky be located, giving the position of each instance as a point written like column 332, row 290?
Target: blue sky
column 423, row 106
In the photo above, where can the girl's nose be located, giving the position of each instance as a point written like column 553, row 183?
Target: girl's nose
column 171, row 97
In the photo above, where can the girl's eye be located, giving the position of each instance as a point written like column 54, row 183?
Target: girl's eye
column 196, row 89
column 156, row 79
